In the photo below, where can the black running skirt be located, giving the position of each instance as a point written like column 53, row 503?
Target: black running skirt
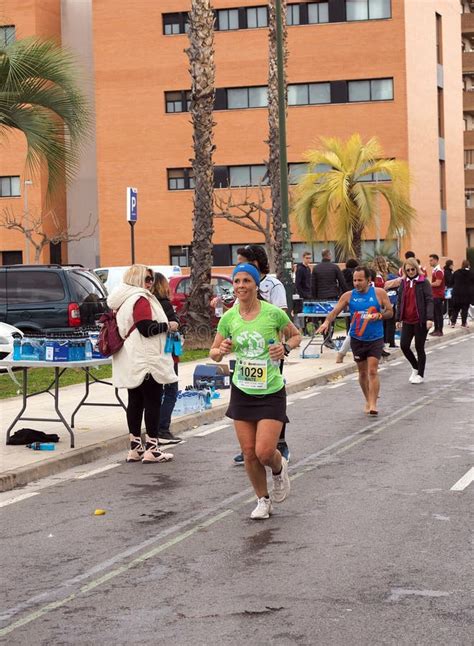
column 251, row 408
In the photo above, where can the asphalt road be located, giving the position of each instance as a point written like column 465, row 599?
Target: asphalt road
column 372, row 547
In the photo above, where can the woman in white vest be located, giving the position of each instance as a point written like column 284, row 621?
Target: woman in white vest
column 141, row 365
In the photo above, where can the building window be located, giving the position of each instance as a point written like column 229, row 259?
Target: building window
column 180, row 179
column 248, row 175
column 368, row 9
column 180, row 256
column 257, row 17
column 375, row 90
column 309, row 94
column 7, row 35
column 318, row 12
column 179, row 101
column 175, row 23
column 10, row 186
column 227, row 19
column 247, row 97
column 292, row 14
column 439, row 39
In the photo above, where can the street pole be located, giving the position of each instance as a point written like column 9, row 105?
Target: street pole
column 26, row 218
column 132, row 239
column 287, row 255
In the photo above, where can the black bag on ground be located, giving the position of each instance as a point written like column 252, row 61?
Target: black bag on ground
column 28, row 435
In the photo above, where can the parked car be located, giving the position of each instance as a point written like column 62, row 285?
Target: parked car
column 44, row 298
column 112, row 276
column 180, row 287
column 7, row 333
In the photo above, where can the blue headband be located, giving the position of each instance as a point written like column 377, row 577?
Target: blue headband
column 248, row 269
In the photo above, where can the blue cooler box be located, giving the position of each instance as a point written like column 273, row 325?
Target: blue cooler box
column 211, row 375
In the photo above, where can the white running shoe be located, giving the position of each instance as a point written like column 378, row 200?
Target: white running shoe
column 262, row 510
column 414, row 373
column 281, row 483
column 418, row 379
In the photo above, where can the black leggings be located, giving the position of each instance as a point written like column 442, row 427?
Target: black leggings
column 410, row 330
column 147, row 397
column 460, row 307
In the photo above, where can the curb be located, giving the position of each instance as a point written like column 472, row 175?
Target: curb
column 23, row 475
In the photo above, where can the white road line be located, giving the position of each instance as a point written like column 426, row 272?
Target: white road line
column 397, row 363
column 383, row 368
column 337, row 385
column 465, row 481
column 310, row 395
column 94, row 472
column 212, row 430
column 289, row 403
column 23, row 496
column 430, row 352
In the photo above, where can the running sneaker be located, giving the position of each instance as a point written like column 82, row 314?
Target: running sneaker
column 281, row 483
column 418, row 379
column 167, row 437
column 414, row 373
column 263, row 509
column 385, row 353
column 284, row 450
column 239, row 459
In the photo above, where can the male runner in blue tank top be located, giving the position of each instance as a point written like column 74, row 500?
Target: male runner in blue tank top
column 368, row 306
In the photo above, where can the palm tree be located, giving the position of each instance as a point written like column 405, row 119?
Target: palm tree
column 40, row 97
column 202, row 70
column 338, row 194
column 274, row 128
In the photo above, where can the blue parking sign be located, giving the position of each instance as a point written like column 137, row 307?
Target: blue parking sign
column 132, row 204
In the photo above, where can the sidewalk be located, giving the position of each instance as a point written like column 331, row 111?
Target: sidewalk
column 103, row 431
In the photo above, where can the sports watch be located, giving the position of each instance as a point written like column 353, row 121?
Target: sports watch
column 287, row 349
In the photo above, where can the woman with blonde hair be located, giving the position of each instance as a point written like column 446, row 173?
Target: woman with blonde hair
column 414, row 316
column 141, row 365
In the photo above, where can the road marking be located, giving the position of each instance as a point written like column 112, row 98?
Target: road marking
column 337, row 385
column 199, row 521
column 383, row 368
column 212, row 430
column 94, row 472
column 310, row 395
column 397, row 363
column 430, row 352
column 465, row 481
column 289, row 403
column 22, row 496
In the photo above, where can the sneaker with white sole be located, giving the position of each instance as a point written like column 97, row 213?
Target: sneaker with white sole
column 417, row 380
column 281, row 483
column 153, row 454
column 137, row 449
column 263, row 509
column 414, row 373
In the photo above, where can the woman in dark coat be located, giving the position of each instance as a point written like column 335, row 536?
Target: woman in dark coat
column 448, row 281
column 414, row 314
column 463, row 283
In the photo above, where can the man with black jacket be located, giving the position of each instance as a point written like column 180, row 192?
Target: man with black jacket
column 327, row 280
column 302, row 282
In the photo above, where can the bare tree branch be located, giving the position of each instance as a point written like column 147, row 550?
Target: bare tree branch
column 33, row 229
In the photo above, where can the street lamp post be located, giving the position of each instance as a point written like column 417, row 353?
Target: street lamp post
column 26, row 219
column 286, row 244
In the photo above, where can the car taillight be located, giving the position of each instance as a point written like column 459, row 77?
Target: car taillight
column 73, row 315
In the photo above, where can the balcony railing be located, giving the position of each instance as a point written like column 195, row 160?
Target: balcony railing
column 469, row 140
column 468, row 62
column 469, row 218
column 468, row 101
column 469, row 178
column 467, row 23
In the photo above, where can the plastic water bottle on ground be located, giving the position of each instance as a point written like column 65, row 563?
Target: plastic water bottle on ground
column 41, row 446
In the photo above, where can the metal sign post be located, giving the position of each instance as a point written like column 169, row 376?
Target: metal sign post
column 132, row 216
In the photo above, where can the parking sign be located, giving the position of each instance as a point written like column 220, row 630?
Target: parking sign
column 132, row 204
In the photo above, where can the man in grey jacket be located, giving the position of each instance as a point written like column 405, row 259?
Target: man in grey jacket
column 327, row 280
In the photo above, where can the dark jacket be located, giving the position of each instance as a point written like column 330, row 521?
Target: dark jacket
column 168, row 309
column 448, row 276
column 463, row 285
column 348, row 274
column 327, row 281
column 303, row 280
column 424, row 300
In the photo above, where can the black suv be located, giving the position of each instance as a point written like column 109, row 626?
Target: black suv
column 50, row 297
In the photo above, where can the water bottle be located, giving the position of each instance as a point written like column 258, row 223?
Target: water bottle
column 169, row 343
column 87, row 349
column 219, row 308
column 207, row 399
column 274, row 362
column 17, row 349
column 41, row 446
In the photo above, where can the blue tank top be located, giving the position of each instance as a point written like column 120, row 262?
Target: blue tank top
column 360, row 306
